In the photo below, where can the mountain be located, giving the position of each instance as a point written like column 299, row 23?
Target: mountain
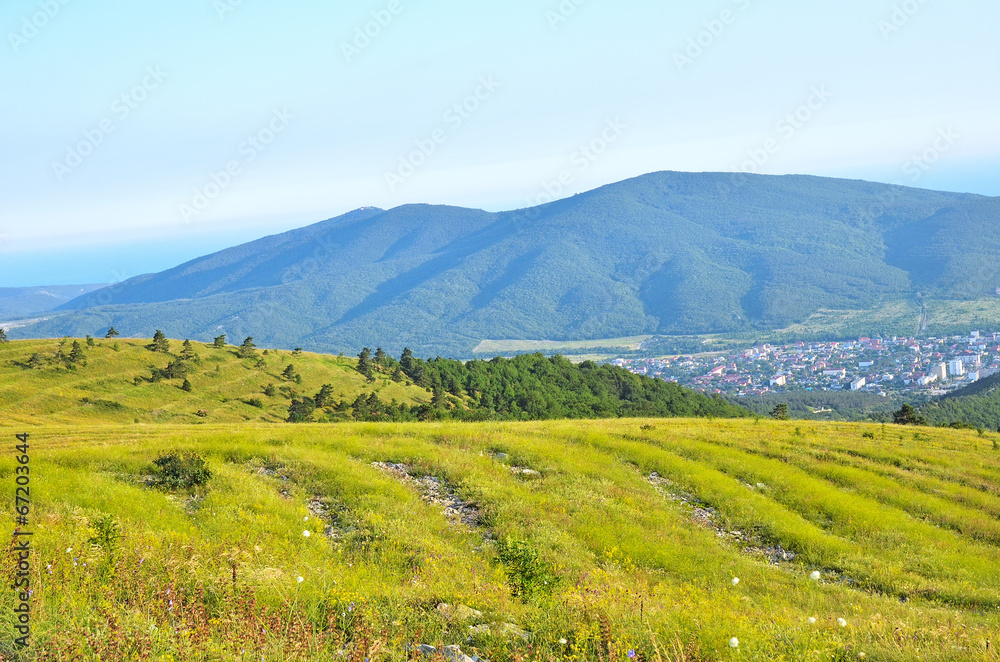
column 665, row 253
column 23, row 301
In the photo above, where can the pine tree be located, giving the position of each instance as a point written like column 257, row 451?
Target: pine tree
column 186, row 386
column 364, row 362
column 3, row 335
column 35, row 361
column 325, row 396
column 397, row 375
column 112, row 333
column 439, row 401
column 175, row 369
column 187, row 351
column 76, row 355
column 270, row 391
column 380, row 357
column 300, row 410
column 289, row 373
column 219, row 342
column 90, row 341
column 780, row 412
column 247, row 350
column 160, row 343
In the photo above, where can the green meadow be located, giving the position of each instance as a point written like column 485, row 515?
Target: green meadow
column 557, row 540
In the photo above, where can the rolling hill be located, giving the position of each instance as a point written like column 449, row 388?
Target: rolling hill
column 127, row 382
column 665, row 253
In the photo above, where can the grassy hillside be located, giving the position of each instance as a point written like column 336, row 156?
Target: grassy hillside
column 127, row 381
column 548, row 541
column 667, row 253
column 113, row 384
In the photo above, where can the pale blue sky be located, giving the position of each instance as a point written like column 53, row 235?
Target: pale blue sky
column 885, row 95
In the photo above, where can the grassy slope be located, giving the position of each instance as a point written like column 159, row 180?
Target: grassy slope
column 221, row 384
column 905, row 528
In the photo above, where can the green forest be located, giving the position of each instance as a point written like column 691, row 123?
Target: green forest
column 527, row 387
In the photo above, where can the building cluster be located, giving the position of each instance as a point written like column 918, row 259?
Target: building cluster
column 871, row 365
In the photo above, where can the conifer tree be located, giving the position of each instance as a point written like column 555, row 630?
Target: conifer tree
column 187, row 351
column 219, row 342
column 325, row 396
column 247, row 350
column 3, row 335
column 160, row 343
column 76, row 354
column 112, row 333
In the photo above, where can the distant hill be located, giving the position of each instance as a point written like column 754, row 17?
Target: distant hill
column 18, row 302
column 665, row 253
column 977, row 405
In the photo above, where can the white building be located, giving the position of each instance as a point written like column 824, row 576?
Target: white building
column 835, row 373
column 956, row 368
column 929, row 379
column 780, row 380
column 941, row 371
column 858, row 384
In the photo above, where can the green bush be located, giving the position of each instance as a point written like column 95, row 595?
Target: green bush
column 527, row 575
column 181, row 470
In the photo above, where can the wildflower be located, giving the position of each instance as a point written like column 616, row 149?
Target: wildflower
column 562, row 641
column 306, row 534
column 736, row 580
column 812, row 620
column 815, row 575
column 300, row 579
column 862, row 655
column 734, row 643
column 351, row 607
column 305, row 519
column 69, row 551
column 841, row 622
column 631, row 654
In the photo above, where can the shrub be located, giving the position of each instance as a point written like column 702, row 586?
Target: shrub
column 255, row 402
column 527, row 575
column 181, row 470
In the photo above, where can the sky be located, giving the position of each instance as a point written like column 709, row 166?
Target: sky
column 138, row 135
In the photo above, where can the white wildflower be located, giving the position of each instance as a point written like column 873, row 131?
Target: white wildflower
column 734, row 643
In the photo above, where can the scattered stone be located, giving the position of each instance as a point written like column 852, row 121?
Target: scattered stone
column 706, row 516
column 459, row 613
column 450, row 653
column 502, row 629
column 434, row 491
column 521, row 471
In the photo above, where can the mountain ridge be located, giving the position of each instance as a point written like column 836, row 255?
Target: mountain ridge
column 663, row 253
